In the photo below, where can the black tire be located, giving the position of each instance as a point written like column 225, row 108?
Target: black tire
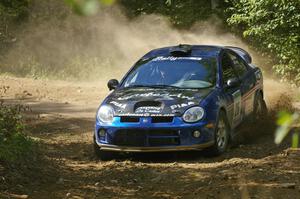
column 221, row 136
column 260, row 109
column 103, row 155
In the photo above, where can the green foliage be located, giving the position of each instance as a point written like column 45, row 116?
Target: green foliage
column 88, row 7
column 286, row 122
column 15, row 147
column 10, row 11
column 13, row 8
column 274, row 26
column 181, row 13
column 10, row 121
column 168, row 2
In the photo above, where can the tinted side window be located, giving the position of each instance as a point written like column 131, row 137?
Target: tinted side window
column 227, row 69
column 239, row 65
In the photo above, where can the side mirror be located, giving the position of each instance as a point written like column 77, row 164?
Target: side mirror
column 112, row 84
column 233, row 82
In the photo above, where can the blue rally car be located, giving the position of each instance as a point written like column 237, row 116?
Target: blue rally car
column 185, row 97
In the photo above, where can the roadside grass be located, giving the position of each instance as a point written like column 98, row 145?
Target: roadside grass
column 74, row 69
column 22, row 159
column 15, row 146
column 16, row 149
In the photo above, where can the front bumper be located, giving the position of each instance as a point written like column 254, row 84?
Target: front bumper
column 146, row 136
column 108, row 147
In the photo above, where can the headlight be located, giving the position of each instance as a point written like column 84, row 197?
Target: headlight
column 193, row 114
column 106, row 114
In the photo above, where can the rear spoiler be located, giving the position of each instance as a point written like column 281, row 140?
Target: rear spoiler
column 241, row 52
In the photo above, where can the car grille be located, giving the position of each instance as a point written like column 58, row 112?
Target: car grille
column 161, row 119
column 127, row 138
column 136, row 137
column 157, row 119
column 129, row 119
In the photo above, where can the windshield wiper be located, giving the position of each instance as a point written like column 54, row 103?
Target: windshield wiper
column 152, row 86
column 138, row 86
column 163, row 86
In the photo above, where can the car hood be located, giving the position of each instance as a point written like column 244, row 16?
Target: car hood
column 154, row 102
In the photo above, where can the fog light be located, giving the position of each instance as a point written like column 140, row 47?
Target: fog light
column 102, row 133
column 196, row 134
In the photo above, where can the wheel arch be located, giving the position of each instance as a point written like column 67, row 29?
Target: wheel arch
column 228, row 121
column 223, row 109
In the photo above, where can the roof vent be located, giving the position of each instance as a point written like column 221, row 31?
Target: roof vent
column 182, row 50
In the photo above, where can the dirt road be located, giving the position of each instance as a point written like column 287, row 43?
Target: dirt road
column 62, row 119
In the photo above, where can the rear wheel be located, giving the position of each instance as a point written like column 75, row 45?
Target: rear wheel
column 221, row 137
column 103, row 155
column 260, row 108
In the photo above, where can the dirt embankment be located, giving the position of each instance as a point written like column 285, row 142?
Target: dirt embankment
column 62, row 119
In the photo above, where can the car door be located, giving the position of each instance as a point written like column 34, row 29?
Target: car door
column 232, row 94
column 247, row 78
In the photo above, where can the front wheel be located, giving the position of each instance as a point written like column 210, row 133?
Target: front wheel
column 103, row 155
column 221, row 137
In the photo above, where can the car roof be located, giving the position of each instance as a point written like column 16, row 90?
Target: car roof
column 196, row 51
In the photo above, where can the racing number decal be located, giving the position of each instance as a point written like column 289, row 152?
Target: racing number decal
column 237, row 105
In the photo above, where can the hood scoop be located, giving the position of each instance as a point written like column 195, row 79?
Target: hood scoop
column 148, row 107
column 144, row 102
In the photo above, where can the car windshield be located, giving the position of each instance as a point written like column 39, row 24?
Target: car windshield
column 175, row 72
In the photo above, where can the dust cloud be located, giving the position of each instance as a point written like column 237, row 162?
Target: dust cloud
column 279, row 95
column 63, row 44
column 66, row 44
